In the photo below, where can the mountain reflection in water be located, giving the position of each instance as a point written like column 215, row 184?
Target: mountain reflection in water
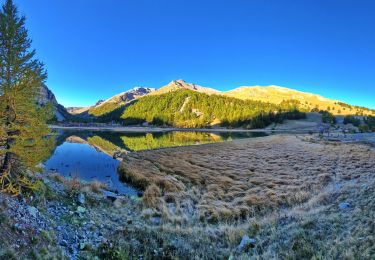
column 89, row 155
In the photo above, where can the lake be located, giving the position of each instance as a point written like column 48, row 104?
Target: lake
column 89, row 155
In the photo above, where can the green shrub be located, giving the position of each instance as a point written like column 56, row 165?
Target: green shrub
column 328, row 118
column 110, row 252
column 352, row 120
column 370, row 122
column 7, row 254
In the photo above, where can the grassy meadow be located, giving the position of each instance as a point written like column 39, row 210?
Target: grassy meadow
column 285, row 191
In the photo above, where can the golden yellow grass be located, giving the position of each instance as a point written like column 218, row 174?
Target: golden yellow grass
column 233, row 181
column 276, row 95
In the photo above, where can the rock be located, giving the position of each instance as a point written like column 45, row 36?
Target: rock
column 41, row 166
column 80, row 210
column 118, row 154
column 110, row 195
column 137, row 198
column 156, row 220
column 82, row 246
column 344, row 205
column 246, row 244
column 118, row 203
column 81, row 199
column 18, row 227
column 46, row 96
column 32, row 211
column 64, row 243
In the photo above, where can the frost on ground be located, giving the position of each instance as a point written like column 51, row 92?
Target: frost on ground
column 232, row 181
column 274, row 197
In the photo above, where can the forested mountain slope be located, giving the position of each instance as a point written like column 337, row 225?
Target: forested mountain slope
column 187, row 108
column 189, row 105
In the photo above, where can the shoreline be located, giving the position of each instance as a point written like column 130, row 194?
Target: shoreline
column 140, row 129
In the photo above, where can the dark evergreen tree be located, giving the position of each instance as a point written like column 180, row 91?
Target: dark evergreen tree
column 328, row 118
column 23, row 126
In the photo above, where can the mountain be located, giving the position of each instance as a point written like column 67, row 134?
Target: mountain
column 181, row 84
column 118, row 107
column 101, row 108
column 274, row 94
column 77, row 110
column 190, row 109
column 46, row 96
column 127, row 96
column 308, row 101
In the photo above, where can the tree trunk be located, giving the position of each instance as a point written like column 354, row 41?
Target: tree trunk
column 7, row 163
column 2, row 158
column 8, row 159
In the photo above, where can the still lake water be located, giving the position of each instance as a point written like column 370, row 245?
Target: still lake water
column 89, row 155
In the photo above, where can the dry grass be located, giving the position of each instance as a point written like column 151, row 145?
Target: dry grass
column 96, row 186
column 151, row 197
column 234, row 181
column 315, row 229
column 282, row 191
column 73, row 186
column 319, row 229
column 57, row 177
column 276, row 95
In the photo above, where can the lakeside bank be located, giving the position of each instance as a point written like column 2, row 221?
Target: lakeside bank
column 281, row 195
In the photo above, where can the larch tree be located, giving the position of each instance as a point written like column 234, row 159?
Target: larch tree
column 23, row 128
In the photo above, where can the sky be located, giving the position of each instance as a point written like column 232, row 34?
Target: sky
column 95, row 49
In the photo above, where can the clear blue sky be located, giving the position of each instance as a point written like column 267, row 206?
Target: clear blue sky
column 94, row 49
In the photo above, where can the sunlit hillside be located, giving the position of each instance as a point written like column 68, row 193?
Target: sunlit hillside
column 190, row 109
column 276, row 95
column 181, row 84
column 112, row 108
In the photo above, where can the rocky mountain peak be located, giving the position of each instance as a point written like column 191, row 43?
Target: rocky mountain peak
column 139, row 91
column 182, row 84
column 99, row 102
column 46, row 96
